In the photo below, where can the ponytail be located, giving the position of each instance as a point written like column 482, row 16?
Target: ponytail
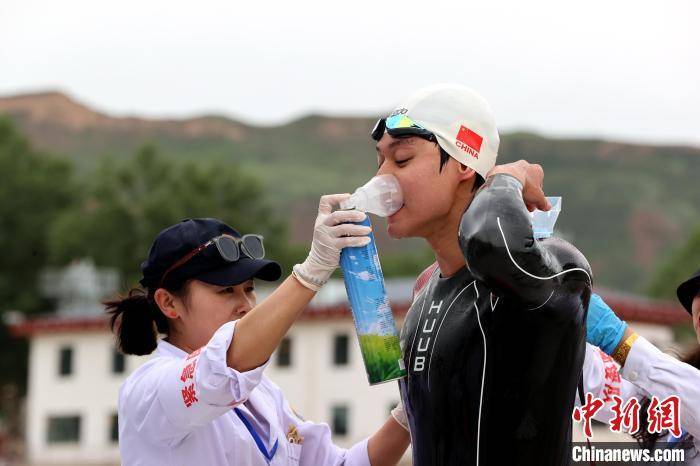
column 136, row 320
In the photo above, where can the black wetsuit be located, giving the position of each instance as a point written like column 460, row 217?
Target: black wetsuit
column 494, row 353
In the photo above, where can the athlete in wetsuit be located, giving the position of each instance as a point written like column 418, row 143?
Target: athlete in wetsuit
column 494, row 353
column 495, row 339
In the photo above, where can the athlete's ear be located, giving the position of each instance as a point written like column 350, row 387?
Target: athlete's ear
column 465, row 173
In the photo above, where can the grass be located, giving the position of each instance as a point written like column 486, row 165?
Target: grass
column 381, row 355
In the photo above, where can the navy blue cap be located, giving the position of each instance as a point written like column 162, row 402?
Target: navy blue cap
column 175, row 242
column 688, row 290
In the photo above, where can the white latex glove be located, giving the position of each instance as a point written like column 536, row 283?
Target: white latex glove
column 399, row 414
column 331, row 235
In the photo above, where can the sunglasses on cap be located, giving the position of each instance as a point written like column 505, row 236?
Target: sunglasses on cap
column 399, row 125
column 230, row 249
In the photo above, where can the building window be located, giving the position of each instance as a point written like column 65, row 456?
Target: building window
column 64, row 429
column 118, row 362
column 284, row 353
column 65, row 361
column 340, row 349
column 340, row 420
column 114, row 428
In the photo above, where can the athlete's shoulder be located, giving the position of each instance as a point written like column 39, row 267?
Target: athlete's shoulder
column 566, row 254
column 424, row 278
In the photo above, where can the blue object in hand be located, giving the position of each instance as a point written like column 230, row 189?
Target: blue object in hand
column 603, row 328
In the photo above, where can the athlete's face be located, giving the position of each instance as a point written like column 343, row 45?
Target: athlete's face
column 205, row 308
column 696, row 316
column 429, row 194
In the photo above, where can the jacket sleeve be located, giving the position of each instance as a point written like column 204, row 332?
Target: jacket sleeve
column 658, row 374
column 496, row 239
column 317, row 447
column 602, row 378
column 170, row 397
column 647, row 372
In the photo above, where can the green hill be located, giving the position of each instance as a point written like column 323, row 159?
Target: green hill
column 624, row 205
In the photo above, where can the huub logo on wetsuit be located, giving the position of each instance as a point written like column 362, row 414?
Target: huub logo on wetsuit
column 426, row 333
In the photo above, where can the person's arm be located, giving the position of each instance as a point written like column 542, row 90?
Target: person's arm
column 645, row 366
column 169, row 397
column 388, row 444
column 601, row 378
column 261, row 330
column 661, row 375
column 497, row 241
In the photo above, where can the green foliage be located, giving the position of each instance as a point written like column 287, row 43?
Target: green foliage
column 111, row 214
column 124, row 206
column 680, row 264
column 34, row 189
column 625, row 205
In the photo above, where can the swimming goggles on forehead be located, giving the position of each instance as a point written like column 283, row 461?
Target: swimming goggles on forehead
column 399, row 125
column 229, row 247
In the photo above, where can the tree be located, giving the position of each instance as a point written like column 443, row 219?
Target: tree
column 677, row 268
column 125, row 205
column 34, row 189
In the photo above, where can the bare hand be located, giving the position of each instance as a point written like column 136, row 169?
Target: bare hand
column 531, row 176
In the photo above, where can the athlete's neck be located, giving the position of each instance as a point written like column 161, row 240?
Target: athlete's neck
column 449, row 259
column 444, row 243
column 443, row 237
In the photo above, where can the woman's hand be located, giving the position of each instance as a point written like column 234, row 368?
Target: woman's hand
column 332, row 232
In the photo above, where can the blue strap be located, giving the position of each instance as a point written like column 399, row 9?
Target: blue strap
column 256, row 437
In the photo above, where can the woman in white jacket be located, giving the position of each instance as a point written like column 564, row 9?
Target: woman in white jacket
column 203, row 399
column 619, row 362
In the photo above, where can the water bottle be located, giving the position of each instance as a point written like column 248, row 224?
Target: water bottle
column 364, row 283
column 380, row 196
column 543, row 222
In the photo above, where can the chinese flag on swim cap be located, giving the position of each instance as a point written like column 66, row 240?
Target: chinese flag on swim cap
column 469, row 138
column 460, row 119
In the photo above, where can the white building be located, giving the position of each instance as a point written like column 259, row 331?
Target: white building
column 75, row 373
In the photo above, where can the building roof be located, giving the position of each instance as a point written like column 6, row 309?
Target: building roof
column 331, row 303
